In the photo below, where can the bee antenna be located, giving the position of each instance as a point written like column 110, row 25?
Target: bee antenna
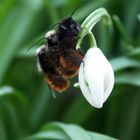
column 54, row 25
column 43, row 37
column 74, row 11
column 36, row 43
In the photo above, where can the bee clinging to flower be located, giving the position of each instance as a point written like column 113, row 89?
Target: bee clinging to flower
column 59, row 59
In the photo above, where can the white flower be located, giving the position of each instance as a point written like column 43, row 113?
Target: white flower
column 96, row 77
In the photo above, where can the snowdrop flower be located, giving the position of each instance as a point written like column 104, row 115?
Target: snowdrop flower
column 96, row 77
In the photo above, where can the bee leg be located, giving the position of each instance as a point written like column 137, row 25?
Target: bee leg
column 78, row 37
column 73, row 60
column 52, row 91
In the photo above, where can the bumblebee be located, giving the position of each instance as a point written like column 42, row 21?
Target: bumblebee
column 59, row 59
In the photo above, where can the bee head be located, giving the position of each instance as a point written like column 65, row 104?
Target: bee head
column 69, row 27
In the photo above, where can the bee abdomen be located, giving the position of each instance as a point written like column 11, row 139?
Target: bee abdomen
column 57, row 82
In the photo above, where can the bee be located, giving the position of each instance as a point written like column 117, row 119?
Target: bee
column 59, row 59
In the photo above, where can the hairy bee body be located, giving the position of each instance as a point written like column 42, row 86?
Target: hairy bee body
column 59, row 59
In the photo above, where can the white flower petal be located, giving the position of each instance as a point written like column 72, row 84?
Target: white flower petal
column 94, row 76
column 107, row 70
column 83, row 86
column 109, row 81
column 96, row 87
column 99, row 76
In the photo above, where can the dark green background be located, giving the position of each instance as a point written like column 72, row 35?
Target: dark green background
column 30, row 105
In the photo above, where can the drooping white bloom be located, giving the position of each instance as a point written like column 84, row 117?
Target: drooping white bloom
column 96, row 77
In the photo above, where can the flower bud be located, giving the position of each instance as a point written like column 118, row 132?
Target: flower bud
column 96, row 77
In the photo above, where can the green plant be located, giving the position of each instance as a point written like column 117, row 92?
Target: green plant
column 26, row 104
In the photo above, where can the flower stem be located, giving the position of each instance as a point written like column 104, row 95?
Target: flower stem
column 92, row 40
column 90, row 22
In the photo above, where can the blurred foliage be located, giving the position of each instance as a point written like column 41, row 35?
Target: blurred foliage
column 26, row 104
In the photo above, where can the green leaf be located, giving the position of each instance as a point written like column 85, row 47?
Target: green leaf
column 13, row 105
column 131, row 78
column 67, row 132
column 79, row 102
column 139, row 17
column 40, row 106
column 20, row 25
column 22, row 53
column 97, row 136
column 123, row 63
column 6, row 90
column 59, row 3
column 129, row 110
column 52, row 135
column 130, row 19
column 73, row 132
column 3, row 133
column 121, row 29
column 135, row 52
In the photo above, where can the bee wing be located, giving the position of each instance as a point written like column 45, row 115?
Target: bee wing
column 70, row 61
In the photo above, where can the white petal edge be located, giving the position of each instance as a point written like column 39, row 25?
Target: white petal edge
column 93, row 93
column 93, row 71
column 100, row 79
column 83, row 86
column 109, row 78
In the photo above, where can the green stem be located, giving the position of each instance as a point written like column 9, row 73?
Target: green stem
column 92, row 40
column 94, row 18
column 90, row 22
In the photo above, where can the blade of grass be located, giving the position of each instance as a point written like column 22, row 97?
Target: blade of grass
column 132, row 78
column 131, row 9
column 17, row 33
column 72, row 131
column 40, row 105
column 3, row 134
column 79, row 102
column 123, row 63
column 124, row 34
